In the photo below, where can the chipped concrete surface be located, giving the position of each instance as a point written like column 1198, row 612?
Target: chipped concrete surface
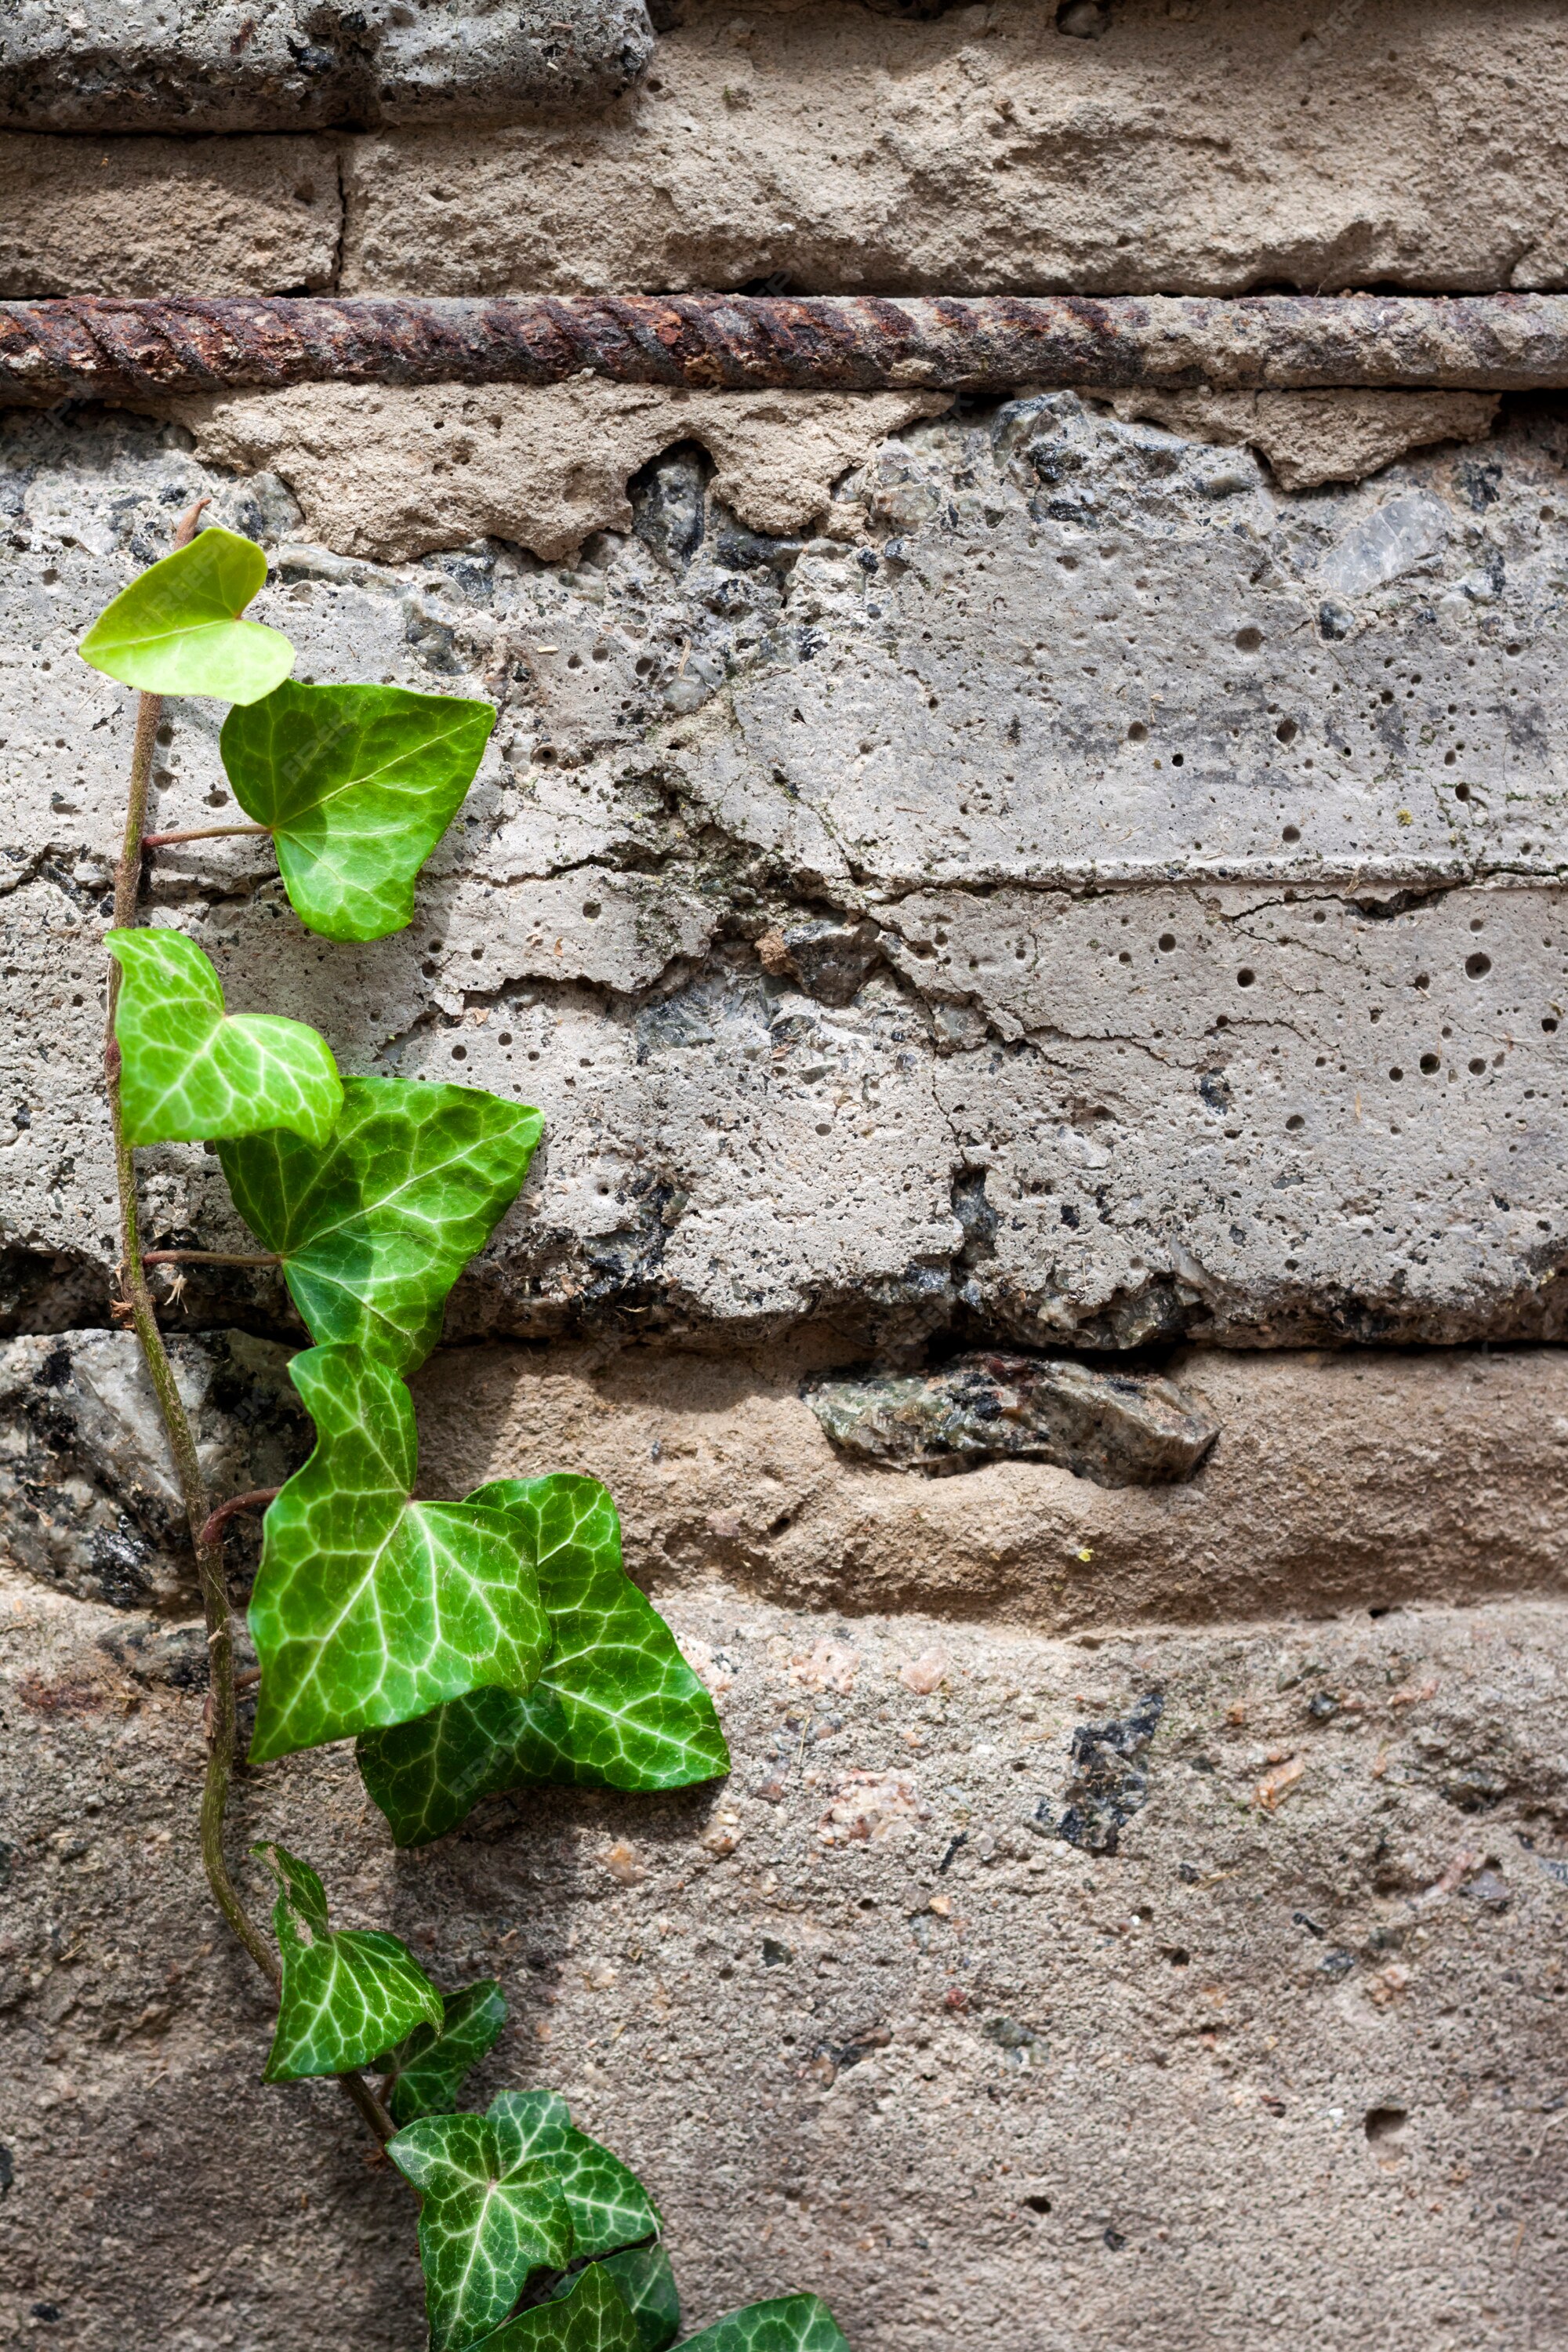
column 1210, row 956
column 150, row 215
column 283, row 65
column 390, row 473
column 946, row 2073
column 1312, row 437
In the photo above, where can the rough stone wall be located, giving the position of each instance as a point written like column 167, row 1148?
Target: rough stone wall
column 1064, row 874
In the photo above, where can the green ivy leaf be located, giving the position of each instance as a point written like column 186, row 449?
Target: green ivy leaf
column 374, row 1225
column 369, row 1608
column 190, row 1072
column 347, row 1992
column 178, row 630
column 792, row 2323
column 493, row 2209
column 357, row 783
column 609, row 2204
column 615, row 1705
column 646, row 2284
column 589, row 2316
column 424, row 2073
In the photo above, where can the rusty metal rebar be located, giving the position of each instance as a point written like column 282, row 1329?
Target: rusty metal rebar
column 96, row 347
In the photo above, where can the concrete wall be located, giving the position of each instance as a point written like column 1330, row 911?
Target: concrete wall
column 1058, row 873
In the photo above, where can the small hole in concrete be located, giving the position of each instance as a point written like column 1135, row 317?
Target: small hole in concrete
column 1385, row 2123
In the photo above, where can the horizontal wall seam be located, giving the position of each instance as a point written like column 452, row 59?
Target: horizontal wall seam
column 105, row 348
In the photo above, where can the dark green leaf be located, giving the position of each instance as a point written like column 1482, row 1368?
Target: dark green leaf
column 369, row 1608
column 178, row 630
column 347, row 1992
column 609, row 2204
column 646, row 2284
column 589, row 2316
column 493, row 2211
column 616, row 1705
column 793, row 2323
column 424, row 2073
column 374, row 1225
column 357, row 783
column 190, row 1072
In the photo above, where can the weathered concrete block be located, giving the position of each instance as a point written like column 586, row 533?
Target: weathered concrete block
column 141, row 216
column 295, row 65
column 1338, row 1481
column 1205, row 959
column 1209, row 151
column 1283, row 2065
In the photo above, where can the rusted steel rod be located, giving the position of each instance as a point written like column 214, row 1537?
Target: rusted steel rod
column 96, row 347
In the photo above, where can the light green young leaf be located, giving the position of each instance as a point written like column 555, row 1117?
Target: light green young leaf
column 178, row 630
column 424, row 2073
column 369, row 1608
column 374, row 1225
column 615, row 1705
column 190, row 1072
column 357, row 783
column 589, row 2316
column 346, row 1992
column 792, row 2323
column 492, row 2210
column 645, row 2285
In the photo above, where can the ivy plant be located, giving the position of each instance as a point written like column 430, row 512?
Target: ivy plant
column 469, row 1647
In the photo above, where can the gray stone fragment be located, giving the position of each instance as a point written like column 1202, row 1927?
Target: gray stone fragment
column 87, row 1495
column 1385, row 544
column 1120, row 1429
column 311, row 65
column 1110, row 1780
column 830, row 960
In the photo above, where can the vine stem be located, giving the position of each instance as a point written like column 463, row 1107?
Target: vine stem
column 208, row 1548
column 209, row 1257
column 257, row 1500
column 199, row 832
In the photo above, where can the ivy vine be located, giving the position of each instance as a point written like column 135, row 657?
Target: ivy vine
column 467, row 1647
